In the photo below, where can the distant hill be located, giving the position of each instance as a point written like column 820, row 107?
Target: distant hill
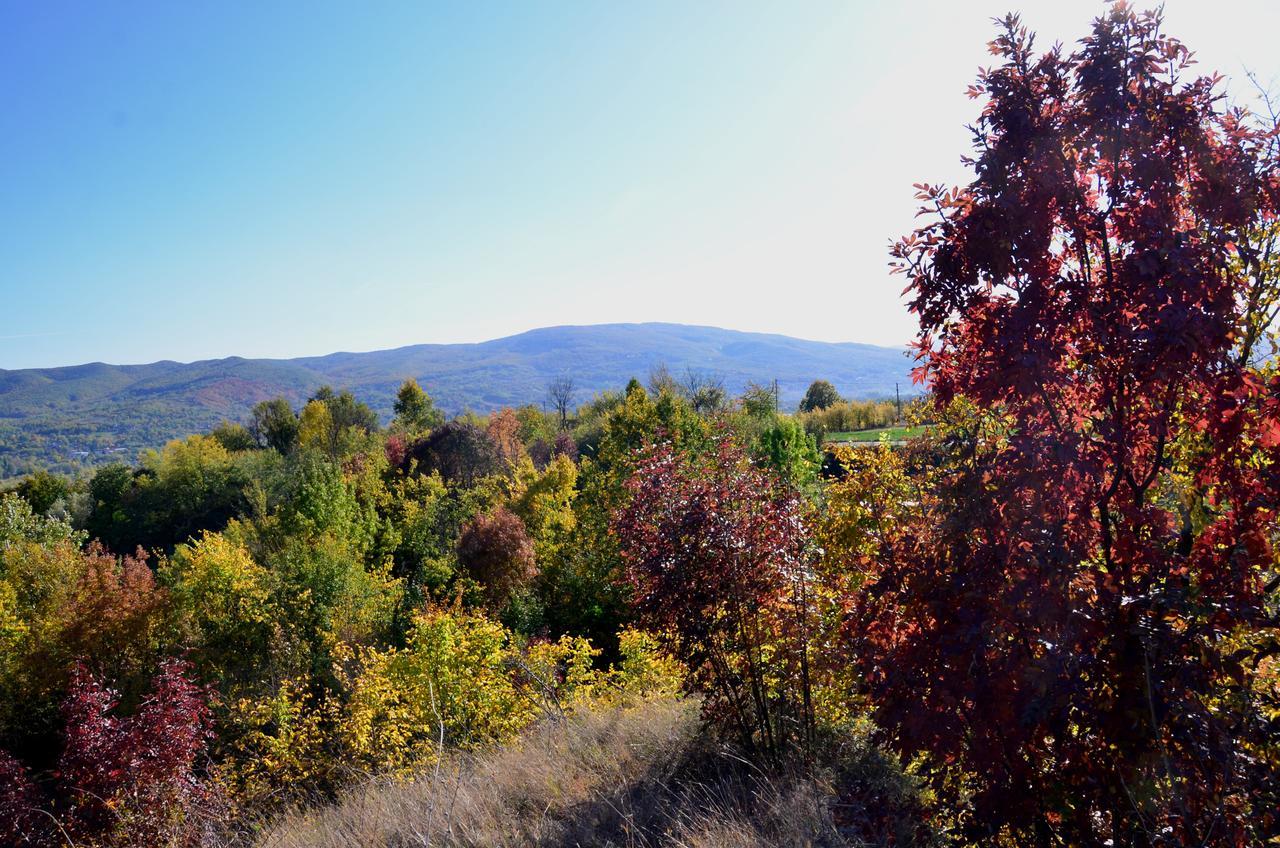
column 85, row 414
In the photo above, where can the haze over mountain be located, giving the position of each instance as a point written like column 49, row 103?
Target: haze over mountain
column 56, row 417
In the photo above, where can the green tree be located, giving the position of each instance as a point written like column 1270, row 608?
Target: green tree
column 233, row 437
column 346, row 411
column 110, row 519
column 415, row 410
column 273, row 424
column 20, row 523
column 820, row 395
column 759, row 402
column 328, row 596
column 42, row 490
column 790, row 451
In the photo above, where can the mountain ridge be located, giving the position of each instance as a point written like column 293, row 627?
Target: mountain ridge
column 81, row 414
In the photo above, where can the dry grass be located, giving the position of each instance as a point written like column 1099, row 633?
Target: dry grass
column 626, row 777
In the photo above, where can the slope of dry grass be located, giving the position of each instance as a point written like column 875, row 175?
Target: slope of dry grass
column 634, row 777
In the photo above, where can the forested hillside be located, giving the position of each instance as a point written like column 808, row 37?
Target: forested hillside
column 64, row 418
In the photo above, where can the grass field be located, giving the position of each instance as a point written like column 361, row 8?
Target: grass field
column 894, row 434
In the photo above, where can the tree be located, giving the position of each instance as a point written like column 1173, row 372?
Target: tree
column 715, row 557
column 42, row 490
column 560, row 394
column 1258, row 258
column 461, row 453
column 20, row 523
column 221, row 603
column 59, row 603
column 191, row 485
column 233, row 437
column 820, row 395
column 335, row 423
column 123, row 780
column 504, row 431
column 346, row 411
column 415, row 411
column 273, row 424
column 705, row 392
column 565, row 446
column 316, row 428
column 1076, row 614
column 134, row 776
column 496, row 551
column 110, row 490
column 759, row 402
column 660, row 381
column 790, row 451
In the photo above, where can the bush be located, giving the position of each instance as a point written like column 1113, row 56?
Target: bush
column 496, row 551
column 222, row 607
column 125, row 781
column 715, row 554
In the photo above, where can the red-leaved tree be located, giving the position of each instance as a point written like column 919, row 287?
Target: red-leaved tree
column 1071, row 626
column 496, row 551
column 714, row 550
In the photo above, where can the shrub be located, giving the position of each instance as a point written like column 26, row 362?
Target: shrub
column 496, row 551
column 452, row 685
column 222, row 606
column 715, row 554
column 121, row 781
column 279, row 748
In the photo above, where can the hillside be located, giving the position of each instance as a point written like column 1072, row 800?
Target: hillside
column 86, row 414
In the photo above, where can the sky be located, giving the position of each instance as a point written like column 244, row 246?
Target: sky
column 195, row 180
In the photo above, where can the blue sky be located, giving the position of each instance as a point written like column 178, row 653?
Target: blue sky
column 185, row 181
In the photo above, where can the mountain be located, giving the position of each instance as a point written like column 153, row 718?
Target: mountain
column 84, row 414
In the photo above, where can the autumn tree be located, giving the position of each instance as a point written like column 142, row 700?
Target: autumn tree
column 714, row 551
column 1075, row 616
column 221, row 604
column 316, row 429
column 495, row 550
column 504, row 431
column 132, row 780
column 461, row 453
